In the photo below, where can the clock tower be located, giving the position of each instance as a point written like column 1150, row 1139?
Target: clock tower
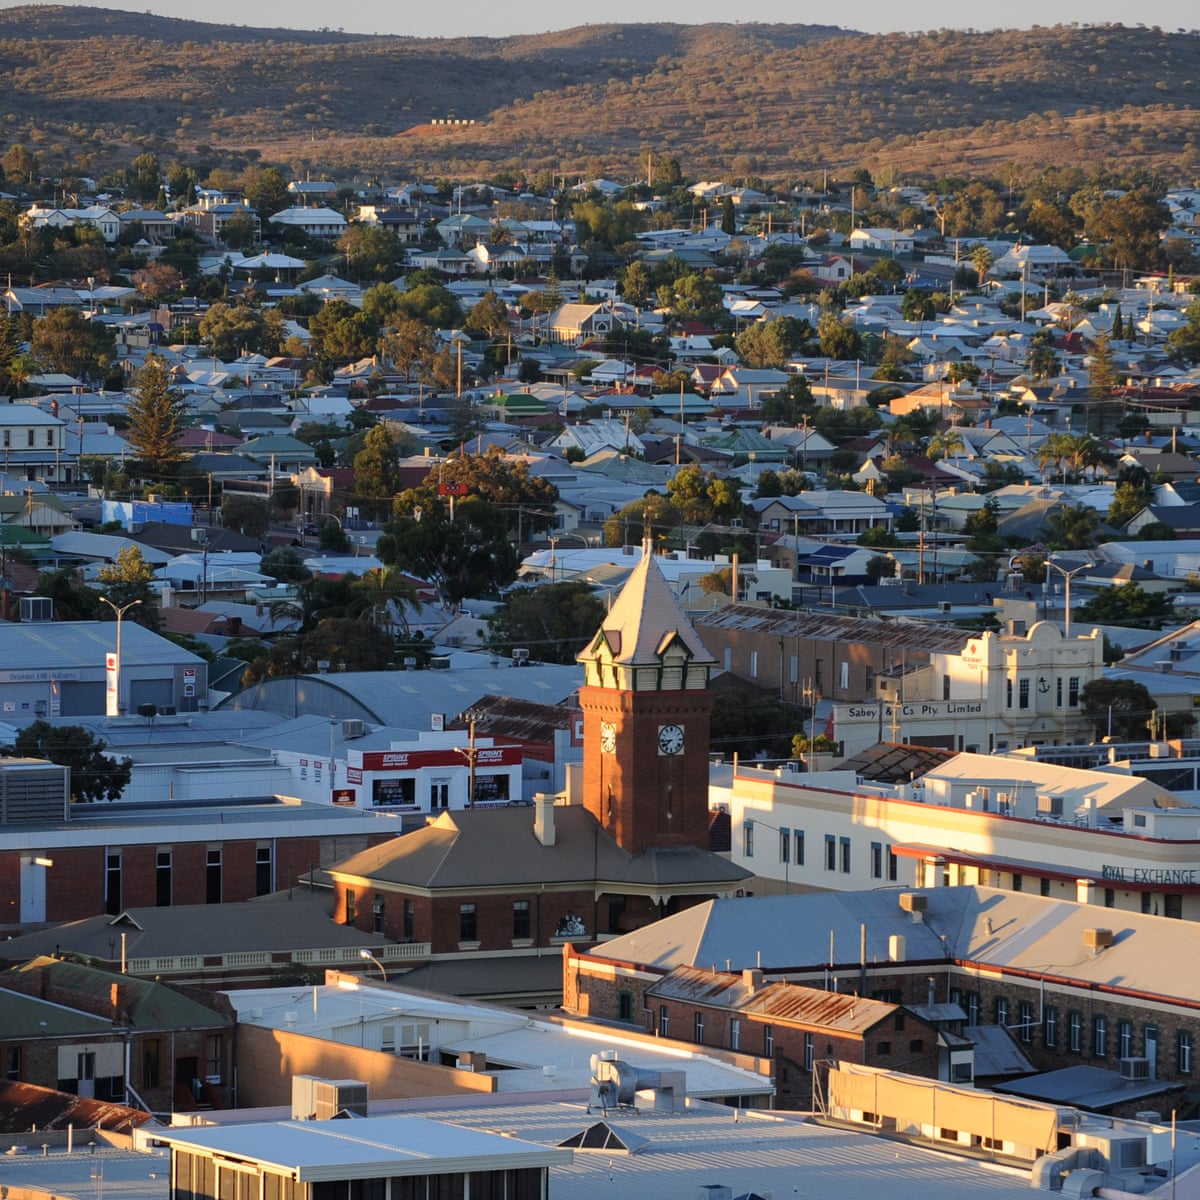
column 646, row 707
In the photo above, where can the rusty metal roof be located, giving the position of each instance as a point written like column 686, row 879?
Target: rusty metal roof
column 509, row 717
column 896, row 762
column 829, row 627
column 777, row 1001
column 25, row 1106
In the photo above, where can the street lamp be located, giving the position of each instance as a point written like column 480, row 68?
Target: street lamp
column 113, row 706
column 785, row 855
column 366, row 955
column 1068, row 574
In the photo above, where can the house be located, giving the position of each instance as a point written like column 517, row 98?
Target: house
column 318, row 222
column 886, row 241
column 575, row 323
column 97, row 217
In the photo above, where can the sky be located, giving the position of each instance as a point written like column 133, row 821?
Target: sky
column 490, row 18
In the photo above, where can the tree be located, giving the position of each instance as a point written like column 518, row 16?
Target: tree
column 377, row 470
column 728, row 216
column 266, row 189
column 916, row 305
column 285, row 564
column 880, row 566
column 1184, row 341
column 1128, row 500
column 65, row 341
column 240, row 232
column 384, row 598
column 1130, row 227
column 432, row 305
column 788, row 405
column 981, row 259
column 554, row 620
column 342, row 333
column 767, row 343
column 489, row 315
column 947, row 444
column 370, row 252
column 636, row 284
column 1071, row 528
column 692, row 296
column 247, row 514
column 156, row 412
column 1127, row 604
column 94, row 775
column 231, row 329
column 527, row 500
column 838, row 338
column 407, row 344
column 127, row 580
column 1117, row 707
column 73, row 600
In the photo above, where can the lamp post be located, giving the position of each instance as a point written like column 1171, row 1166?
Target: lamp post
column 113, row 707
column 1068, row 574
column 785, row 855
column 367, row 956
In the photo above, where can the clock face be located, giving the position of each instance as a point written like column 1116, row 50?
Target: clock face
column 608, row 737
column 670, row 739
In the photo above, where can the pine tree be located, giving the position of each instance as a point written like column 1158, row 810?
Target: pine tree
column 155, row 419
column 1118, row 326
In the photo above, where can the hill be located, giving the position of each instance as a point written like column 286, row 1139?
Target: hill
column 88, row 87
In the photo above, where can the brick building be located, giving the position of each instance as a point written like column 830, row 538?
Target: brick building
column 77, row 1029
column 1068, row 987
column 791, row 1027
column 61, row 862
column 631, row 847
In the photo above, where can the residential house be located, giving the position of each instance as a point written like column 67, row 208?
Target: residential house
column 319, row 222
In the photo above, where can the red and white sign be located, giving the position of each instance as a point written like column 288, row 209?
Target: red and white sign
column 414, row 760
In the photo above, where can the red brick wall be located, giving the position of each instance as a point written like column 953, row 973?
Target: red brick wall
column 640, row 797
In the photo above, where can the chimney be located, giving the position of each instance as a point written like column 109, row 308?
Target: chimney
column 543, row 818
column 1085, row 891
column 752, row 979
column 915, row 904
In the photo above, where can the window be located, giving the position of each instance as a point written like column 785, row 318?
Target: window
column 212, row 875
column 748, row 839
column 378, row 913
column 1026, row 1021
column 753, row 664
column 439, row 794
column 12, row 1062
column 735, row 1033
column 212, row 1057
column 1110, row 897
column 769, row 1041
column 1001, row 1010
column 1018, row 882
column 883, row 1048
column 1050, row 1028
column 1173, row 905
column 151, row 1057
column 830, row 852
column 1008, row 693
column 351, row 906
column 945, row 687
column 409, row 920
column 1023, row 694
column 521, row 922
column 1183, row 1052
column 876, row 860
column 1125, row 1039
column 29, row 438
column 845, row 848
column 798, row 846
column 973, row 1008
column 869, row 682
column 845, row 676
column 112, row 882
column 664, row 1021
column 1073, row 691
column 1075, row 1033
column 162, row 878
column 264, row 872
column 808, row 1051
column 916, row 1046
column 625, row 1006
column 698, row 1028
column 1058, row 691
column 1044, row 885
column 785, row 845
column 1147, row 902
column 468, row 929
column 892, row 865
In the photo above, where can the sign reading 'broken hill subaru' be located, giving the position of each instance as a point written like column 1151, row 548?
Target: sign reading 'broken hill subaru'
column 1180, row 876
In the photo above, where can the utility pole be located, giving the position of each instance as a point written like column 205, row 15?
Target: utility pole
column 470, row 753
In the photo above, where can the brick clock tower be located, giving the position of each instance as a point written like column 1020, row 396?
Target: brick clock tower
column 646, row 708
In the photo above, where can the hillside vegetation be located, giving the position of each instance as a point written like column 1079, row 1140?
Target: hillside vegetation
column 86, row 87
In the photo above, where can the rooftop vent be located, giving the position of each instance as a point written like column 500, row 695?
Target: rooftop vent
column 1097, row 939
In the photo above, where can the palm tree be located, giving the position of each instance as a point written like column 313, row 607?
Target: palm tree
column 949, row 443
column 384, row 597
column 981, row 259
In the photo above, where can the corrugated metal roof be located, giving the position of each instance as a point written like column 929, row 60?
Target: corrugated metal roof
column 828, row 627
column 780, row 1001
